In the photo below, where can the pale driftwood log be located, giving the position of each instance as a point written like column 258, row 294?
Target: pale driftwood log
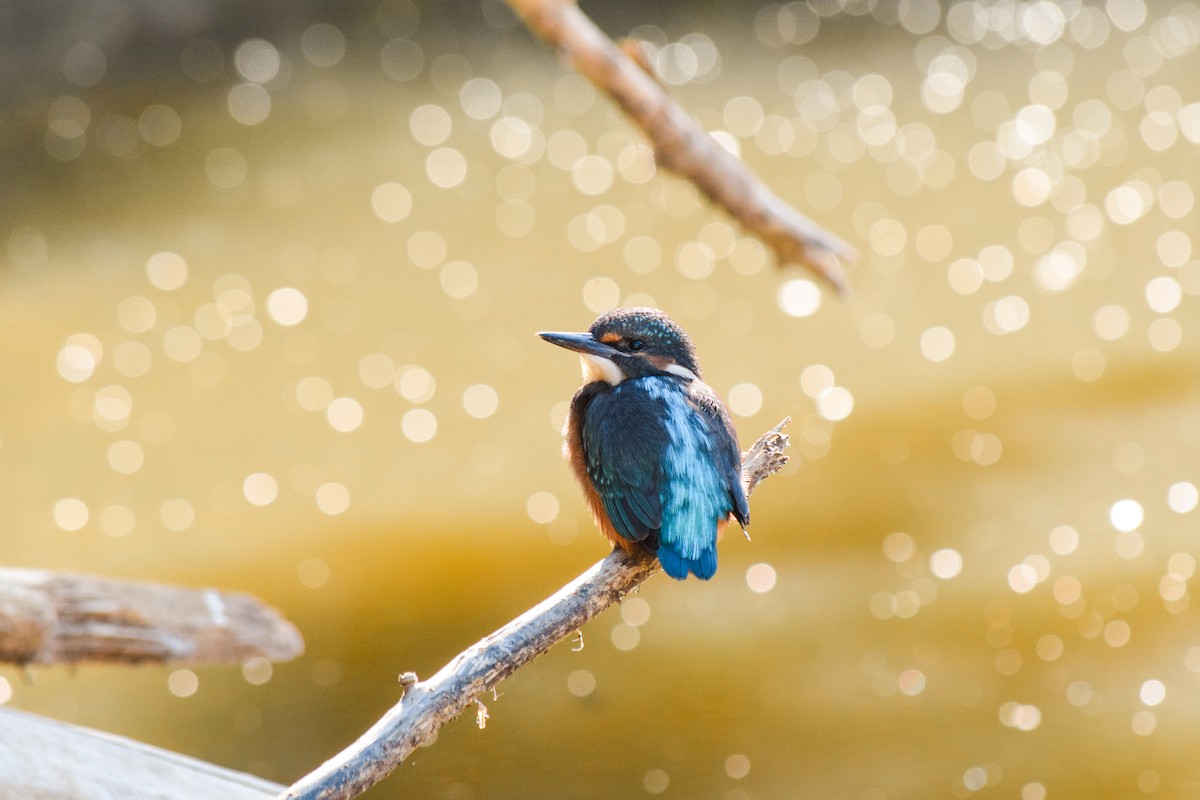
column 50, row 618
column 681, row 145
column 42, row 759
column 427, row 705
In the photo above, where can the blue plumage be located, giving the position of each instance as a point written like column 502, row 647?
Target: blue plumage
column 651, row 443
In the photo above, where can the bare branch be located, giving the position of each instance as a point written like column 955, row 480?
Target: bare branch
column 681, row 145
column 43, row 759
column 48, row 618
column 427, row 705
column 765, row 457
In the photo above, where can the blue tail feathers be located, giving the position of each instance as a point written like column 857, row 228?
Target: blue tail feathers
column 703, row 566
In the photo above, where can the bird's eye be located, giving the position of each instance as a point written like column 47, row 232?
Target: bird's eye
column 636, row 345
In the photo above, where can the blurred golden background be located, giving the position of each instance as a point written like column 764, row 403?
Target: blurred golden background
column 269, row 279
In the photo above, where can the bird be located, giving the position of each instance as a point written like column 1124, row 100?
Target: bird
column 652, row 445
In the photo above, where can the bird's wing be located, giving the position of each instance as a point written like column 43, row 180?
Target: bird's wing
column 727, row 459
column 623, row 441
column 704, row 486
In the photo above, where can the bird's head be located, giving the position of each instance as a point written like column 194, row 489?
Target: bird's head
column 631, row 343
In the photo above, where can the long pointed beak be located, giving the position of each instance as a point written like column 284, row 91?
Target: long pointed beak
column 580, row 343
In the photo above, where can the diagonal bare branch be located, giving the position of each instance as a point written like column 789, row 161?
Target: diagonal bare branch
column 681, row 145
column 427, row 705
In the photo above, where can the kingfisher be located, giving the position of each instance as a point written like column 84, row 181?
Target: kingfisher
column 652, row 445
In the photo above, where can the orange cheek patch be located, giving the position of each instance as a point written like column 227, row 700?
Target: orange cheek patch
column 610, row 338
column 660, row 362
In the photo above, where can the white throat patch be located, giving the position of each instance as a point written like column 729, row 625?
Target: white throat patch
column 599, row 368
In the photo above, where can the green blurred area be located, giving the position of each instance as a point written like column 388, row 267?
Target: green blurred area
column 1019, row 356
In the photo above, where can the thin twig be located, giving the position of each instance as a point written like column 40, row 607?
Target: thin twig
column 681, row 145
column 49, row 618
column 427, row 705
column 765, row 457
